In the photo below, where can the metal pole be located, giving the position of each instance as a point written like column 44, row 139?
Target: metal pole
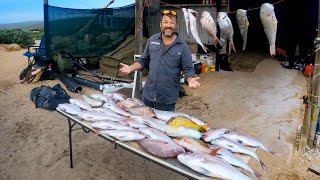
column 218, row 55
column 46, row 26
column 315, row 91
column 139, row 40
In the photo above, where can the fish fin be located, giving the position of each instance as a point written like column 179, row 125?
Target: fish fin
column 187, row 141
column 264, row 167
column 256, row 174
column 203, row 128
column 215, row 151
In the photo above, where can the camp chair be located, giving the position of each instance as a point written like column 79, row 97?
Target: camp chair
column 38, row 50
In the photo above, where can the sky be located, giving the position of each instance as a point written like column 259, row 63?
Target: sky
column 12, row 11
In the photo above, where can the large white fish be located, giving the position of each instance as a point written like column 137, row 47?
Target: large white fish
column 81, row 103
column 269, row 22
column 94, row 116
column 129, row 102
column 124, row 135
column 226, row 30
column 243, row 24
column 211, row 166
column 107, row 111
column 226, row 155
column 175, row 131
column 117, row 96
column 209, row 26
column 193, row 28
column 103, row 97
column 93, row 102
column 214, row 134
column 186, row 19
column 156, row 134
column 109, row 125
column 141, row 110
column 116, row 109
column 238, row 148
column 167, row 115
column 246, row 140
column 69, row 108
column 161, row 148
column 133, row 123
column 143, row 119
column 194, row 145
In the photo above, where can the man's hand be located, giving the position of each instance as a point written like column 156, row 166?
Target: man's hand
column 125, row 69
column 193, row 82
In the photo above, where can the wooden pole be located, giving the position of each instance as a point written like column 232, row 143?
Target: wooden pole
column 46, row 26
column 315, row 100
column 139, row 40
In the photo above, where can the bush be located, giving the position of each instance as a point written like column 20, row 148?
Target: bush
column 16, row 36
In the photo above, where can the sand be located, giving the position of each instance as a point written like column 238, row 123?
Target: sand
column 264, row 103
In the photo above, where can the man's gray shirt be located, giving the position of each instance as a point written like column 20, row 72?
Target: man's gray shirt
column 165, row 65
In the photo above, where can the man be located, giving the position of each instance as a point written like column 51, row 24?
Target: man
column 166, row 54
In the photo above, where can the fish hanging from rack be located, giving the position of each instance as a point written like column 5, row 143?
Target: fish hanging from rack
column 243, row 24
column 193, row 28
column 226, row 31
column 209, row 26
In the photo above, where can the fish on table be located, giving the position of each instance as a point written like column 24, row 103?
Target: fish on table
column 124, row 135
column 93, row 102
column 227, row 32
column 156, row 134
column 117, row 96
column 211, row 166
column 209, row 26
column 161, row 148
column 69, row 108
column 107, row 112
column 243, row 24
column 93, row 116
column 238, row 148
column 193, row 28
column 81, row 103
column 109, row 125
column 214, row 134
column 116, row 109
column 103, row 97
column 269, row 22
column 141, row 110
column 184, row 121
column 194, row 145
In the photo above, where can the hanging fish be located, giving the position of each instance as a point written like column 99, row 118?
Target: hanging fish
column 186, row 19
column 193, row 28
column 243, row 24
column 226, row 30
column 269, row 22
column 209, row 26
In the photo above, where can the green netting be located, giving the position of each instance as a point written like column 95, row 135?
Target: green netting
column 88, row 30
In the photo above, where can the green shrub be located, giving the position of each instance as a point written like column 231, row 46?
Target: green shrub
column 16, row 36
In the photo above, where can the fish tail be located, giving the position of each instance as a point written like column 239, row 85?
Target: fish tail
column 264, row 167
column 272, row 50
column 203, row 128
column 215, row 151
column 231, row 46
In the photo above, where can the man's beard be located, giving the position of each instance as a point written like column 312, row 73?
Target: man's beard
column 167, row 35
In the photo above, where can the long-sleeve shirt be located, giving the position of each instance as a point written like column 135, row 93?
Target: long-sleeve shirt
column 165, row 64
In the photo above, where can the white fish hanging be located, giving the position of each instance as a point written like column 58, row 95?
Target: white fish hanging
column 209, row 26
column 243, row 24
column 226, row 30
column 269, row 22
column 186, row 19
column 193, row 28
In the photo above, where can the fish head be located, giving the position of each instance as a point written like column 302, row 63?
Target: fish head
column 221, row 16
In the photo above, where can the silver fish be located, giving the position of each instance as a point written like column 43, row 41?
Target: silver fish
column 127, row 103
column 246, row 140
column 175, row 131
column 116, row 109
column 214, row 134
column 93, row 102
column 186, row 19
column 93, row 116
column 124, row 135
column 141, row 110
column 227, row 32
column 133, row 123
column 243, row 24
column 69, row 108
column 107, row 111
column 269, row 22
column 211, row 166
column 161, row 148
column 239, row 148
column 109, row 125
column 193, row 28
column 143, row 119
column 193, row 145
column 209, row 26
column 117, row 96
column 103, row 97
column 81, row 103
column 167, row 115
column 156, row 134
column 226, row 155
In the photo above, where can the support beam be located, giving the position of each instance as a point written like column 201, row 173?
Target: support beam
column 46, row 26
column 139, row 40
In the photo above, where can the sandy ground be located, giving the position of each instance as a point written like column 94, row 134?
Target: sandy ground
column 264, row 104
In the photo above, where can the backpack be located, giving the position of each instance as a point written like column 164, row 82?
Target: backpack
column 49, row 98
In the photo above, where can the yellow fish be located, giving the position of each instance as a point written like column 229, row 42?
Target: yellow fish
column 184, row 121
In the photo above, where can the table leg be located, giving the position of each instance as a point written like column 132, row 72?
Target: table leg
column 70, row 142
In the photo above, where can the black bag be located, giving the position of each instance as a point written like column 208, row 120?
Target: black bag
column 49, row 98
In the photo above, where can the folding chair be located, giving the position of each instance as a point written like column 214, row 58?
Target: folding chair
column 38, row 50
